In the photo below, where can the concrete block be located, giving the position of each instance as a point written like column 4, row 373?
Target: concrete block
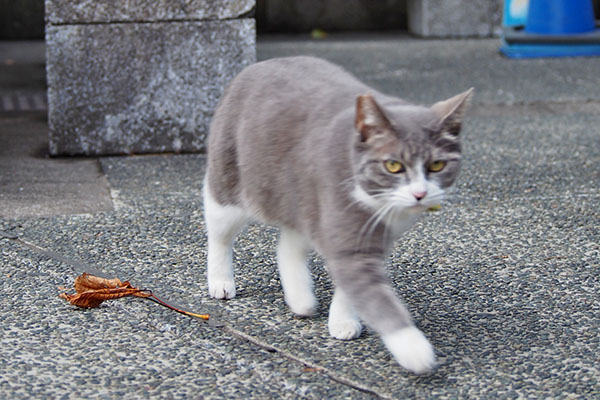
column 454, row 18
column 122, row 88
column 105, row 11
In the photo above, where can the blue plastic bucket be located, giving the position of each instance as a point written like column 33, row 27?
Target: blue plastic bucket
column 560, row 17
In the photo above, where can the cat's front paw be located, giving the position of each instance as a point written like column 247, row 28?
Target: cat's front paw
column 221, row 289
column 411, row 349
column 346, row 329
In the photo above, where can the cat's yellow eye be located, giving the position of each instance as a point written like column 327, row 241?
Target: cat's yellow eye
column 436, row 166
column 394, row 167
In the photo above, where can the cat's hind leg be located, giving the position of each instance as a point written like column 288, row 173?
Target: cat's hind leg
column 222, row 224
column 343, row 321
column 294, row 273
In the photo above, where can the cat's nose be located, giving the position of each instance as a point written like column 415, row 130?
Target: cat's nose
column 419, row 195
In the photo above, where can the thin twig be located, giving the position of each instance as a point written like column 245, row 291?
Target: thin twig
column 179, row 310
column 331, row 374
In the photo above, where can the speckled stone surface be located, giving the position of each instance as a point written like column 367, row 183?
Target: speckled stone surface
column 141, row 76
column 103, row 11
column 140, row 88
column 504, row 280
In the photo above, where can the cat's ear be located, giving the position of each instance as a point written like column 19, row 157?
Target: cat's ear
column 370, row 119
column 450, row 112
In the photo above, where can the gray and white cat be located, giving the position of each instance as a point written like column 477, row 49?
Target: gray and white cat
column 340, row 168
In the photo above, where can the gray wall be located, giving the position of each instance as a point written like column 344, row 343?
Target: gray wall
column 21, row 19
column 330, row 15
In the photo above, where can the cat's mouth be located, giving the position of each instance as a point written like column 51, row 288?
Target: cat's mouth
column 389, row 202
column 417, row 208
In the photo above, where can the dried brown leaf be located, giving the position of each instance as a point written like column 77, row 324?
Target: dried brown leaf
column 93, row 290
column 86, row 282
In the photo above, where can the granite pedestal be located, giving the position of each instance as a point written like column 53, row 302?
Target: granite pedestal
column 140, row 76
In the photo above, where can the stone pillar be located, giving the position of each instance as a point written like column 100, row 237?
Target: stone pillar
column 455, row 18
column 141, row 76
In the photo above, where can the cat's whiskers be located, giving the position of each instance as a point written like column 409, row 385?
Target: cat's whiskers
column 348, row 184
column 436, row 198
column 402, row 202
column 388, row 225
column 374, row 220
column 378, row 195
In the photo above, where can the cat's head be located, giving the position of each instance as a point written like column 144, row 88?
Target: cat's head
column 406, row 156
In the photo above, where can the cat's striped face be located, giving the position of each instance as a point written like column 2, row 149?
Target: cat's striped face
column 410, row 173
column 407, row 162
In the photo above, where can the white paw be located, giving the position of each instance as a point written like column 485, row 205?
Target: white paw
column 411, row 349
column 345, row 329
column 221, row 289
column 304, row 306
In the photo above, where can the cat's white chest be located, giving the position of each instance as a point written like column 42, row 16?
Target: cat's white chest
column 396, row 221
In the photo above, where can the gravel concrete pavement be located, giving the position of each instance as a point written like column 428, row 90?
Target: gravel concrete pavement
column 504, row 280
